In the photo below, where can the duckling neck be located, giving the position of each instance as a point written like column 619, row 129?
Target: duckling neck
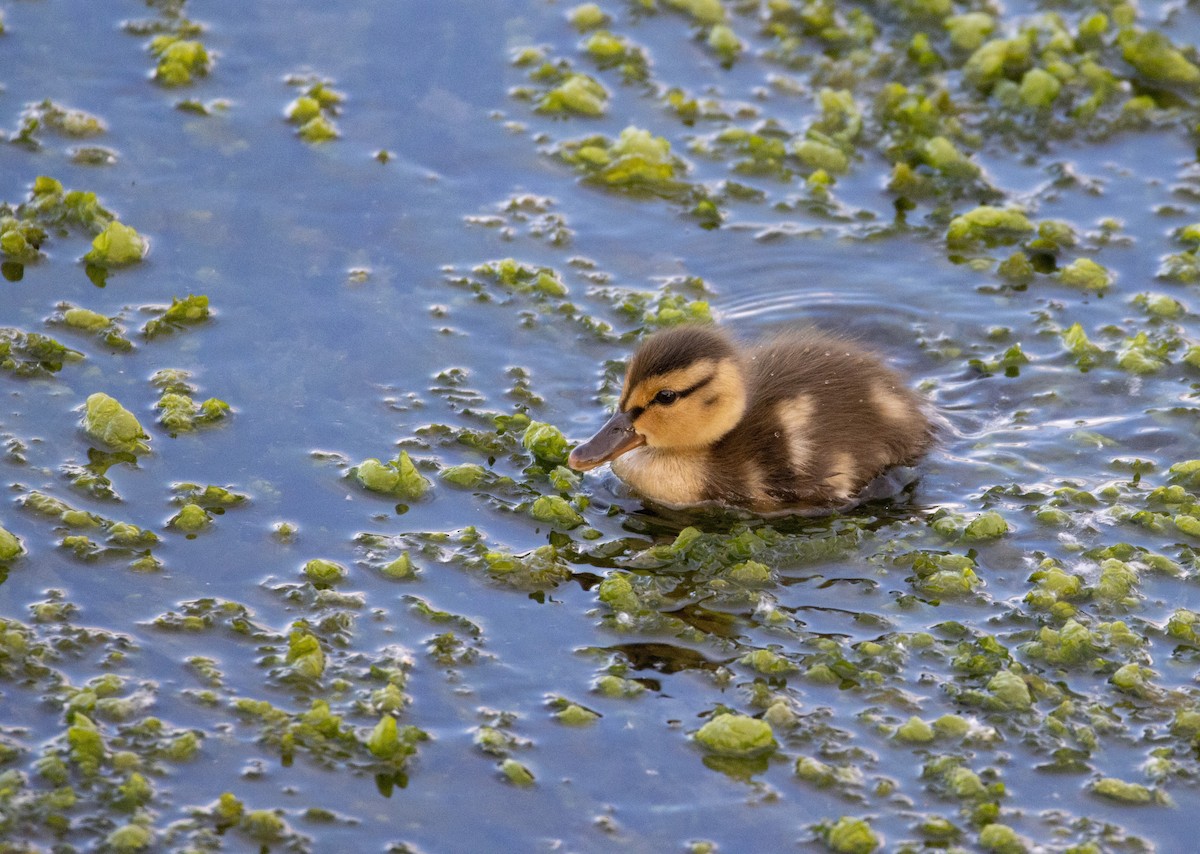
column 668, row 476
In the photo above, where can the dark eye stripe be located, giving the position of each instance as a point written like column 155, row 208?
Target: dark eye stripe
column 696, row 387
column 636, row 412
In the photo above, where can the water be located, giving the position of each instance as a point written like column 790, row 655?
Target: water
column 326, row 367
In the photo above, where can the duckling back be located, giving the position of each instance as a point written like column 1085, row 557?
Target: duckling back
column 804, row 420
column 825, row 417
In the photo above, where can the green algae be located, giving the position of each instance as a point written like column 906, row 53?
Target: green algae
column 181, row 313
column 398, row 477
column 30, row 354
column 107, row 422
column 736, row 736
column 118, row 244
column 850, row 835
column 314, row 109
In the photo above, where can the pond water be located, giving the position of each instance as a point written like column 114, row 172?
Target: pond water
column 1001, row 657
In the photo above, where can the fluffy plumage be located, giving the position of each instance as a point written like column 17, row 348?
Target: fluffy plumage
column 802, row 420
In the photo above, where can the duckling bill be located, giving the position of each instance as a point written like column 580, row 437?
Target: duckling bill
column 803, row 420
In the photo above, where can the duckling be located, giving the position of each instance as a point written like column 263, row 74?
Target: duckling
column 803, row 420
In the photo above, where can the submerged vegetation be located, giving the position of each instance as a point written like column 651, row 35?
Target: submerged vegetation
column 378, row 578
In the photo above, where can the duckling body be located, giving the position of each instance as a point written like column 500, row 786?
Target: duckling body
column 802, row 420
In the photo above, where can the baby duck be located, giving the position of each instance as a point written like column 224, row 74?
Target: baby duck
column 800, row 421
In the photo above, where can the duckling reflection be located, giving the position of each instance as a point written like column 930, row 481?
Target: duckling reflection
column 803, row 420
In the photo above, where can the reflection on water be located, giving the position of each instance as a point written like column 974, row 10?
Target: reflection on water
column 342, row 332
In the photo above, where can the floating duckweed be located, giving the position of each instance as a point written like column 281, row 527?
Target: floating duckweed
column 850, row 835
column 401, row 567
column 85, row 319
column 768, row 662
column 577, row 93
column 466, row 475
column 305, row 655
column 516, row 773
column 1001, row 838
column 988, row 225
column 724, row 42
column 736, row 735
column 555, row 510
column 10, row 545
column 617, row 686
column 951, row 726
column 636, row 161
column 194, row 308
column 318, row 129
column 1086, row 274
column 704, row 11
column 1118, row 790
column 118, row 244
column 321, row 571
column 573, row 714
column 1039, row 88
column 587, row 16
column 314, row 110
column 398, row 477
column 1010, row 691
column 1132, row 679
column 817, row 154
column 915, row 731
column 106, row 421
column 1087, row 355
column 1118, row 582
column 986, row 526
column 129, row 837
column 191, row 518
column 546, row 442
column 968, row 32
column 1160, row 305
column 617, row 593
column 179, row 60
column 1153, row 55
column 263, row 825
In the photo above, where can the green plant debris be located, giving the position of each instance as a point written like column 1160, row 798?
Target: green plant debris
column 104, row 328
column 736, row 735
column 587, row 16
column 116, row 245
column 516, row 773
column 398, row 478
column 315, row 108
column 988, row 225
column 10, row 545
column 850, row 835
column 107, row 422
column 54, row 117
column 178, row 411
column 181, row 313
column 30, row 354
column 1122, row 792
column 180, row 60
column 1086, row 274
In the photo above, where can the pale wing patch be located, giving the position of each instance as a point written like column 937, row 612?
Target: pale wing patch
column 796, row 420
column 666, row 477
column 843, row 476
column 890, row 405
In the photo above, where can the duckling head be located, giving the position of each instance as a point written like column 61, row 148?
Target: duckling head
column 684, row 391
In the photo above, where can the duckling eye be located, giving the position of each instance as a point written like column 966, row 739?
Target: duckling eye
column 666, row 397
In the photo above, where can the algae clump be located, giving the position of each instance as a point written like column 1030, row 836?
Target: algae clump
column 1119, row 790
column 736, row 735
column 106, row 421
column 849, row 835
column 398, row 477
column 988, row 225
column 10, row 545
column 116, row 245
